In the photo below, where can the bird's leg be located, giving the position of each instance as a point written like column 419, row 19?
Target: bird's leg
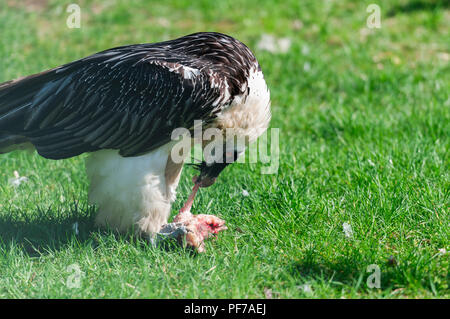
column 199, row 227
column 176, row 229
column 194, row 229
column 188, row 205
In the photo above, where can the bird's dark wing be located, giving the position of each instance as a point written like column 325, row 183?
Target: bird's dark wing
column 124, row 98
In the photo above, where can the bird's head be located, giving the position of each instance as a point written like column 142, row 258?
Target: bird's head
column 244, row 120
column 210, row 170
column 240, row 124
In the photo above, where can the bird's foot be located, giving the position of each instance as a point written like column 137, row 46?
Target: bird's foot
column 172, row 231
column 192, row 229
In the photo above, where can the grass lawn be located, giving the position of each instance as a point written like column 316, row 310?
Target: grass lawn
column 364, row 139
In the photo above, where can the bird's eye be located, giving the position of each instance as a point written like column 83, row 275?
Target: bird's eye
column 231, row 157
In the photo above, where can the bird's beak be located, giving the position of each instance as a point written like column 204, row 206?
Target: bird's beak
column 203, row 182
column 188, row 205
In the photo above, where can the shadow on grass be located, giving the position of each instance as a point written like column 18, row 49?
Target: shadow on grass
column 42, row 230
column 342, row 273
column 418, row 5
column 36, row 233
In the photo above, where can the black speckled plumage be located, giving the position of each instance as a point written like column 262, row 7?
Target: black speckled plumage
column 127, row 98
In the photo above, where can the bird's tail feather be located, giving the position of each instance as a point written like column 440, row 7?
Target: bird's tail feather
column 10, row 142
column 14, row 101
column 16, row 97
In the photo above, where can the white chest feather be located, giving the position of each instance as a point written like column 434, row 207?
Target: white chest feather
column 130, row 191
column 248, row 116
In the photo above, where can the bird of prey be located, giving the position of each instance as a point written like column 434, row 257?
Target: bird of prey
column 122, row 105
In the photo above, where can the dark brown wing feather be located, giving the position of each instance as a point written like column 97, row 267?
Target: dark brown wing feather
column 127, row 98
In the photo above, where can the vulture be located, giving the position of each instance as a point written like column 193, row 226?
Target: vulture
column 122, row 105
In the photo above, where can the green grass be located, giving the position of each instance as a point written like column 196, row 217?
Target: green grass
column 364, row 140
